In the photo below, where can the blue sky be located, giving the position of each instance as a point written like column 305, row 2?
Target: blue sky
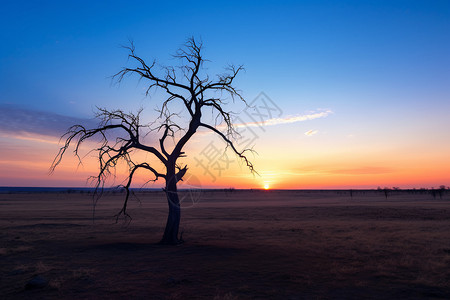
column 381, row 67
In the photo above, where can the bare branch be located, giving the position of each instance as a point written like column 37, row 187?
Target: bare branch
column 133, row 170
column 231, row 145
column 146, row 71
column 188, row 85
column 109, row 153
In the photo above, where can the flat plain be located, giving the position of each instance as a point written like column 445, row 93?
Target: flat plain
column 238, row 245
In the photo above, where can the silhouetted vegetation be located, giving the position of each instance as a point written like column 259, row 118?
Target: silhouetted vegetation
column 186, row 85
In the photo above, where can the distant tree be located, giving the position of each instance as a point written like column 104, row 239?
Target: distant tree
column 441, row 191
column 186, row 85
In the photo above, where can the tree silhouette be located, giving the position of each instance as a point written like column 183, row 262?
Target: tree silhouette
column 186, row 85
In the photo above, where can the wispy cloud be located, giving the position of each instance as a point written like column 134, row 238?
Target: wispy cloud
column 311, row 132
column 27, row 123
column 363, row 170
column 29, row 136
column 287, row 120
column 317, row 170
column 367, row 170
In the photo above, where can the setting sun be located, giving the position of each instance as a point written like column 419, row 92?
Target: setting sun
column 266, row 186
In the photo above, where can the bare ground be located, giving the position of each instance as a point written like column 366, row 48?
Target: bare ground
column 239, row 245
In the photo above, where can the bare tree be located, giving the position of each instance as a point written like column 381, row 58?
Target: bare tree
column 187, row 86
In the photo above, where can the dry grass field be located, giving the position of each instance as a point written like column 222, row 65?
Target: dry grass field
column 238, row 245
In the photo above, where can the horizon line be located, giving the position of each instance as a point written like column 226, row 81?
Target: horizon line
column 221, row 189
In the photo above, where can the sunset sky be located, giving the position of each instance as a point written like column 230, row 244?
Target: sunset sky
column 358, row 92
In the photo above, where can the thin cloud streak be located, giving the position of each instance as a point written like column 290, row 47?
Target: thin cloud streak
column 366, row 170
column 41, row 126
column 363, row 170
column 286, row 120
column 311, row 132
column 308, row 171
column 29, row 123
column 33, row 137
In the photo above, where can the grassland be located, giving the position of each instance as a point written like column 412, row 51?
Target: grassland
column 238, row 245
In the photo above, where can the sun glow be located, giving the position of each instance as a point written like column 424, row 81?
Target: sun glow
column 266, row 186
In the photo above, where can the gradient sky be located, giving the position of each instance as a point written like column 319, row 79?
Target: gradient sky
column 361, row 88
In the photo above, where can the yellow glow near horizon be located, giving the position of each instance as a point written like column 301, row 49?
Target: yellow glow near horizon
column 315, row 166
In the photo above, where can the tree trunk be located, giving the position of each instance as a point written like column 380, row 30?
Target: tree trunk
column 170, row 236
